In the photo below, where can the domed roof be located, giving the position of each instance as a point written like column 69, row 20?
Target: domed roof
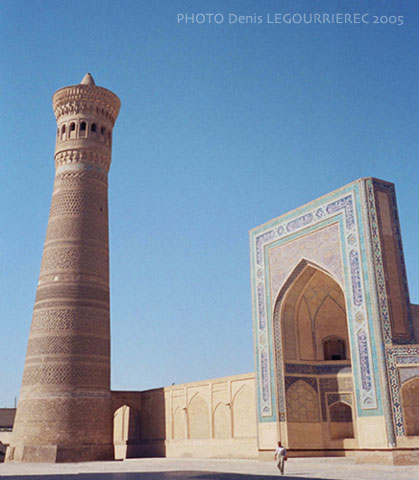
column 87, row 80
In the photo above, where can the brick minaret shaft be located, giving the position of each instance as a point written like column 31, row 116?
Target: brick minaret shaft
column 64, row 411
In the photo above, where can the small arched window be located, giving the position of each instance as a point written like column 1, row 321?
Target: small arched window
column 72, row 132
column 334, row 348
column 63, row 132
column 102, row 130
column 93, row 127
column 83, row 129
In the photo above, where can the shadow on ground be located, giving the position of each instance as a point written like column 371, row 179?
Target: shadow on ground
column 179, row 475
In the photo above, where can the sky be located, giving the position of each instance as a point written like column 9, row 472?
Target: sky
column 223, row 126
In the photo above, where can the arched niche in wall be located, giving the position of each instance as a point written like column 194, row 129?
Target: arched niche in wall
column 179, row 424
column 410, row 406
column 244, row 415
column 309, row 309
column 222, row 421
column 302, row 403
column 341, row 421
column 198, row 415
column 334, row 348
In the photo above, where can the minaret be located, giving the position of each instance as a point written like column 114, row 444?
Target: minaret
column 64, row 411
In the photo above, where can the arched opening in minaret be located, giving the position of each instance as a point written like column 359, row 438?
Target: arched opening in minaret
column 93, row 130
column 63, row 136
column 313, row 359
column 72, row 132
column 82, row 129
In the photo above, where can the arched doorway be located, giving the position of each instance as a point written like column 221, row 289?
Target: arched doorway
column 126, row 432
column 410, row 405
column 312, row 348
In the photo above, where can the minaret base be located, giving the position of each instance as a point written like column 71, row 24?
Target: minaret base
column 57, row 454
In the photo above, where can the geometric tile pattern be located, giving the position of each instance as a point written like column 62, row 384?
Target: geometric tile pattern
column 378, row 260
column 302, row 402
column 317, row 369
column 312, row 381
column 394, row 355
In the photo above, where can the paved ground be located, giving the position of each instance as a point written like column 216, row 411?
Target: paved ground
column 205, row 469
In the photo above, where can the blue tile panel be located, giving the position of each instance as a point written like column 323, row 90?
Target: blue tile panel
column 344, row 208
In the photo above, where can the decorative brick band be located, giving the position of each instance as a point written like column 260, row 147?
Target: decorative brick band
column 95, row 157
column 84, row 99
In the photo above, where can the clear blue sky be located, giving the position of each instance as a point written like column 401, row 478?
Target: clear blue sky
column 222, row 127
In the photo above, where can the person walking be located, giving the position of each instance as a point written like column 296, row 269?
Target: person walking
column 280, row 457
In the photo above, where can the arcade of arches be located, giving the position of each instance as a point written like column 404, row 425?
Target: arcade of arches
column 216, row 416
